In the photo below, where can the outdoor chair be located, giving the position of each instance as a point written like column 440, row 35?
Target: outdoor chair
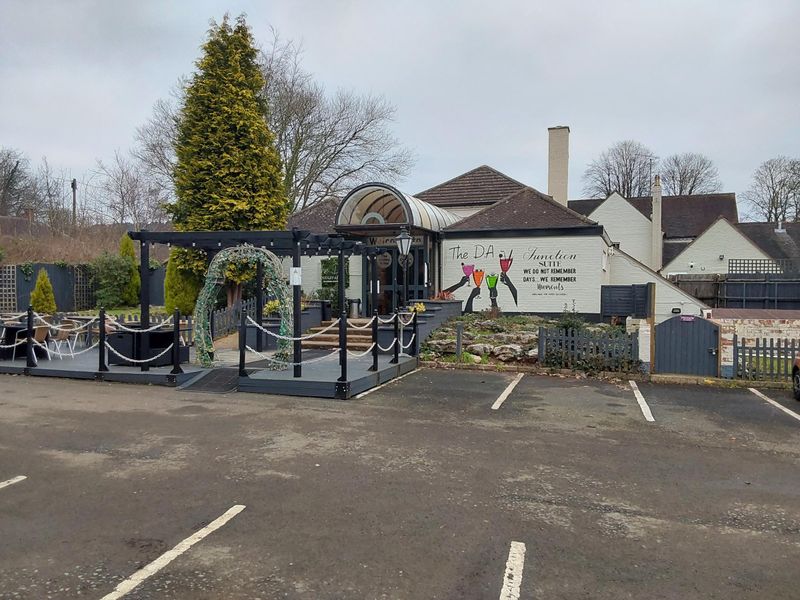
column 63, row 335
column 40, row 335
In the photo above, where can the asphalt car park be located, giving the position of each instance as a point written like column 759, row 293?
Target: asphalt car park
column 445, row 484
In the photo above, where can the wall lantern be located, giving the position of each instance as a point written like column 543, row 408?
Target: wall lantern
column 403, row 241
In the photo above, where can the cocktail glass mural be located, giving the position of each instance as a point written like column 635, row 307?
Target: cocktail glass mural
column 477, row 277
column 505, row 263
column 491, row 280
column 468, row 269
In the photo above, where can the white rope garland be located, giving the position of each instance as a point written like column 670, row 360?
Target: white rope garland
column 410, row 341
column 290, row 338
column 60, row 328
column 389, row 320
column 292, row 364
column 404, row 323
column 15, row 317
column 122, row 327
column 360, row 354
column 382, row 349
column 133, row 360
column 14, row 345
column 84, row 351
column 367, row 326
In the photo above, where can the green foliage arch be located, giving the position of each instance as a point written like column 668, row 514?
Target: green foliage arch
column 274, row 280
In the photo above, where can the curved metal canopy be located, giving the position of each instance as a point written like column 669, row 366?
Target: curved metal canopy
column 383, row 204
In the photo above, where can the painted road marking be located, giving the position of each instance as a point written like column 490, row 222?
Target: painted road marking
column 506, row 392
column 512, row 578
column 170, row 555
column 12, row 481
column 648, row 416
column 791, row 413
column 375, row 389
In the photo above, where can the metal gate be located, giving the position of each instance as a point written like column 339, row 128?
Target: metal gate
column 687, row 345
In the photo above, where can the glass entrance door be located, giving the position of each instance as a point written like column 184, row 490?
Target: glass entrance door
column 391, row 279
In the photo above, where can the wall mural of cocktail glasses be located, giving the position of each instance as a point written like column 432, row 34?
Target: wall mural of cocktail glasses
column 478, row 275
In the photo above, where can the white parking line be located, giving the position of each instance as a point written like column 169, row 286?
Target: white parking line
column 170, row 555
column 512, row 578
column 507, row 392
column 12, row 481
column 648, row 416
column 791, row 413
column 376, row 388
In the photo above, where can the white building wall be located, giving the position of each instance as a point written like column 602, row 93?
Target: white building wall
column 703, row 255
column 549, row 273
column 626, row 225
column 312, row 274
column 627, row 271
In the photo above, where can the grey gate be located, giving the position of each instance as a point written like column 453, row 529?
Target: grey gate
column 687, row 345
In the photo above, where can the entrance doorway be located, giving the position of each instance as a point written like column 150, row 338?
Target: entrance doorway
column 390, row 279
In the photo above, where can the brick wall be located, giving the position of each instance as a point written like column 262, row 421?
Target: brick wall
column 750, row 330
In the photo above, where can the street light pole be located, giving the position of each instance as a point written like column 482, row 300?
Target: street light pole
column 403, row 241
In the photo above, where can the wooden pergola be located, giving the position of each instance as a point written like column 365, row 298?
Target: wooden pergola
column 294, row 243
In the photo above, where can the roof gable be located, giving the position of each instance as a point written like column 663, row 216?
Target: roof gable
column 777, row 245
column 697, row 244
column 525, row 209
column 681, row 216
column 615, row 206
column 480, row 186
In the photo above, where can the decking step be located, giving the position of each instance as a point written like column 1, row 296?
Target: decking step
column 324, row 345
column 334, row 337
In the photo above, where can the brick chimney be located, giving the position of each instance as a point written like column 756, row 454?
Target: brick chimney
column 657, row 237
column 558, row 163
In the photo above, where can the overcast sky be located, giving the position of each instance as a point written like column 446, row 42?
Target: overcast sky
column 473, row 82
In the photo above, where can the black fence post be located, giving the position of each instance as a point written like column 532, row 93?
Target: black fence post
column 343, row 344
column 396, row 357
column 374, row 366
column 242, row 343
column 101, row 341
column 30, row 354
column 735, row 356
column 259, row 318
column 176, row 343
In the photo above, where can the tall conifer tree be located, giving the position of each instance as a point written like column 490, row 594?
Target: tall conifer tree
column 228, row 174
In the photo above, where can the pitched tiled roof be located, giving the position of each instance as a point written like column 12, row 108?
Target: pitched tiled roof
column 525, row 209
column 681, row 216
column 774, row 244
column 483, row 185
column 317, row 218
column 672, row 249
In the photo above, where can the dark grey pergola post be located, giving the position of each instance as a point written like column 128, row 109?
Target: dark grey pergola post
column 259, row 305
column 144, row 299
column 297, row 313
column 373, row 260
column 342, row 317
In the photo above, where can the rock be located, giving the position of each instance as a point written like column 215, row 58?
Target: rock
column 467, row 357
column 480, row 348
column 532, row 353
column 507, row 352
column 489, row 325
column 442, row 345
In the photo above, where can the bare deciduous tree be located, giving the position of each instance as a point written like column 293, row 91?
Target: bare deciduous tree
column 14, row 182
column 688, row 174
column 626, row 167
column 327, row 144
column 774, row 194
column 128, row 194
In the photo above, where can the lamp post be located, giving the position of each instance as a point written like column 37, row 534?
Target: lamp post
column 403, row 241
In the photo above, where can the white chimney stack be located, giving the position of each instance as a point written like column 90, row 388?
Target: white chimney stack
column 558, row 163
column 657, row 236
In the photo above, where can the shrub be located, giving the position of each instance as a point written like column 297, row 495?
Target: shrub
column 43, row 300
column 181, row 287
column 130, row 295
column 111, row 277
column 570, row 319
